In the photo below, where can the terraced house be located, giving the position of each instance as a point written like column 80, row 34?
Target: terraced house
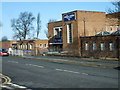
column 67, row 35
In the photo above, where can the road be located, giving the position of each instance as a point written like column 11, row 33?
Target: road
column 33, row 74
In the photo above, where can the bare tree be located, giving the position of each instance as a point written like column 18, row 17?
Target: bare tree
column 23, row 25
column 49, row 21
column 46, row 33
column 38, row 25
column 115, row 10
column 4, row 38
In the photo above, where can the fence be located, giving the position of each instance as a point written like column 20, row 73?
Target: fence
column 21, row 52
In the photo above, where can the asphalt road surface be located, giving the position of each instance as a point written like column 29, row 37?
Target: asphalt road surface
column 42, row 74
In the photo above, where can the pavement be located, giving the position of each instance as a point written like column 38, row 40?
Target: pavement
column 78, row 61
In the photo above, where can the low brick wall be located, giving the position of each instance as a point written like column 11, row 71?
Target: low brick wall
column 87, row 42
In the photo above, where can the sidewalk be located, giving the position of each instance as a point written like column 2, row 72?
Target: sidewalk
column 81, row 61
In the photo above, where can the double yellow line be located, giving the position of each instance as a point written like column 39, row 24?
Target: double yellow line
column 6, row 78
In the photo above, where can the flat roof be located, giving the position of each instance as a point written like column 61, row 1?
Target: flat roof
column 84, row 11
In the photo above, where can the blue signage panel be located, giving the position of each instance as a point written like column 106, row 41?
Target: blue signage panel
column 69, row 17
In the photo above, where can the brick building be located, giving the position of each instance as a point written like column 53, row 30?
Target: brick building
column 112, row 22
column 100, row 46
column 7, row 44
column 65, row 35
column 38, row 46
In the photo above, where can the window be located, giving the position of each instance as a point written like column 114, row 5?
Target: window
column 26, row 46
column 86, row 46
column 111, row 46
column 45, row 45
column 94, row 46
column 31, row 46
column 20, row 46
column 69, row 33
column 58, row 32
column 23, row 46
column 102, row 46
column 111, row 28
column 40, row 45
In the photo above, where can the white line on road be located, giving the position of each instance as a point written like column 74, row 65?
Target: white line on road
column 85, row 73
column 15, row 85
column 35, row 65
column 67, row 71
column 71, row 71
column 7, row 87
column 59, row 69
column 13, row 61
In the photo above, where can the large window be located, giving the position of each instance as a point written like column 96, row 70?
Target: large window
column 58, row 32
column 69, row 33
column 102, row 45
column 94, row 46
column 111, row 46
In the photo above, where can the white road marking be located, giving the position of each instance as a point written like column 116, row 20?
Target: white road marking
column 13, row 61
column 85, row 73
column 35, row 65
column 59, row 69
column 15, row 85
column 66, row 71
column 71, row 71
column 7, row 87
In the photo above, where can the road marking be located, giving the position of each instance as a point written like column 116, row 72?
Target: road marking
column 13, row 61
column 85, row 73
column 6, row 78
column 7, row 87
column 35, row 65
column 15, row 85
column 67, row 71
column 59, row 69
column 71, row 71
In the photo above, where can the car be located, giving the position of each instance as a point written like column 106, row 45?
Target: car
column 3, row 52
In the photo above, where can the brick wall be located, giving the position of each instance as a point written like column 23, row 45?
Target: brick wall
column 87, row 23
column 106, row 52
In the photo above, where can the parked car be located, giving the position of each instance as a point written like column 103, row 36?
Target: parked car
column 3, row 52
